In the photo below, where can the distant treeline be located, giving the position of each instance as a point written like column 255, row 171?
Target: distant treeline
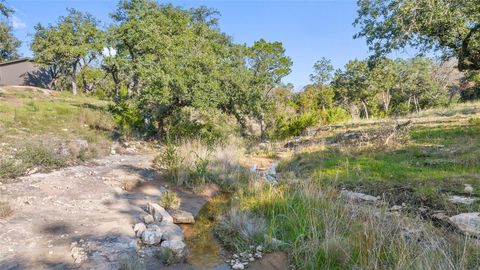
column 171, row 71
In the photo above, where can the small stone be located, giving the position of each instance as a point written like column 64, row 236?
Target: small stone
column 238, row 266
column 78, row 254
column 148, row 219
column 351, row 196
column 259, row 248
column 251, row 259
column 139, row 228
column 396, row 208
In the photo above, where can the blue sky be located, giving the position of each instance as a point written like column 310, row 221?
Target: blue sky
column 309, row 30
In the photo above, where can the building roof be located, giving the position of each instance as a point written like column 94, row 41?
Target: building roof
column 15, row 61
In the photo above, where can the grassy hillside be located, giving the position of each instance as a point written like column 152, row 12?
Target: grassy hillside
column 433, row 158
column 42, row 129
column 416, row 168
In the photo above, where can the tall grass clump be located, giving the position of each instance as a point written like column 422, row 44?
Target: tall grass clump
column 192, row 163
column 324, row 232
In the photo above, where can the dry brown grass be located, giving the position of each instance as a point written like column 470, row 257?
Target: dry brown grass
column 5, row 209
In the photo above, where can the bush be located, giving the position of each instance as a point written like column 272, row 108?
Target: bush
column 5, row 209
column 335, row 115
column 169, row 200
column 209, row 126
column 297, row 125
column 192, row 163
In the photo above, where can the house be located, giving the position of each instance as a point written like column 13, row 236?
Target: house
column 23, row 72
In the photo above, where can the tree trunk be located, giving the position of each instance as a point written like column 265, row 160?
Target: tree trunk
column 74, row 86
column 365, row 109
column 386, row 100
column 74, row 79
column 262, row 129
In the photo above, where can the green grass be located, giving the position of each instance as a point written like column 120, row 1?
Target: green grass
column 323, row 232
column 433, row 162
column 35, row 124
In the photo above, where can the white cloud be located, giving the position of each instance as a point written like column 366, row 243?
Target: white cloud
column 17, row 23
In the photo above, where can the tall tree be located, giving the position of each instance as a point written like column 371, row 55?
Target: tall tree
column 182, row 61
column 352, row 85
column 8, row 42
column 70, row 45
column 269, row 65
column 451, row 26
column 322, row 72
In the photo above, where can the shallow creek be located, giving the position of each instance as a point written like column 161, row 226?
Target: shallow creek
column 205, row 250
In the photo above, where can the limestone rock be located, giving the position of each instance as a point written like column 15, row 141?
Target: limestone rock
column 148, row 219
column 238, row 266
column 152, row 235
column 79, row 254
column 159, row 213
column 139, row 229
column 461, row 199
column 170, row 231
column 182, row 217
column 351, row 196
column 468, row 223
column 177, row 248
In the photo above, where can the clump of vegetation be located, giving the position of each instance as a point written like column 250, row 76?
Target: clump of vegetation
column 193, row 163
column 169, row 200
column 239, row 229
column 5, row 209
column 323, row 232
column 132, row 262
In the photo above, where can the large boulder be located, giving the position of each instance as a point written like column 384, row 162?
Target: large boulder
column 176, row 248
column 468, row 223
column 159, row 213
column 152, row 235
column 170, row 231
column 182, row 217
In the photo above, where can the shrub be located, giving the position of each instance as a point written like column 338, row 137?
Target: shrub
column 38, row 155
column 240, row 229
column 297, row 125
column 169, row 200
column 5, row 209
column 335, row 115
column 192, row 163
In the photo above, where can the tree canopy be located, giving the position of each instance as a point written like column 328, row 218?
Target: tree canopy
column 451, row 26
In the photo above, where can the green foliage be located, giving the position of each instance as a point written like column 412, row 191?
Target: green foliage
column 297, row 125
column 322, row 71
column 390, row 25
column 334, row 115
column 128, row 116
column 210, row 126
column 69, row 46
column 171, row 162
column 8, row 42
column 169, row 200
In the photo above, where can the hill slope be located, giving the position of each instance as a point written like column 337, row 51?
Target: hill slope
column 42, row 129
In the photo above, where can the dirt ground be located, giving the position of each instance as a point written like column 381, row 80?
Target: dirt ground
column 84, row 204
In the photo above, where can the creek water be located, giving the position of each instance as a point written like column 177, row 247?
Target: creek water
column 205, row 250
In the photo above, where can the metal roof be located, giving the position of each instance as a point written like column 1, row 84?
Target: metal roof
column 15, row 61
